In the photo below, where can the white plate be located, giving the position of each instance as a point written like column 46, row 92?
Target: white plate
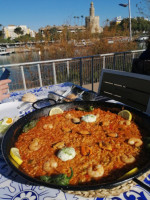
column 10, row 109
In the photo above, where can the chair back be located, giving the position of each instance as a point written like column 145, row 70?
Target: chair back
column 129, row 88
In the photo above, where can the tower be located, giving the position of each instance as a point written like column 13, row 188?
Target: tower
column 92, row 10
column 92, row 21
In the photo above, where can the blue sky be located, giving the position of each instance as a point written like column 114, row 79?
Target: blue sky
column 39, row 13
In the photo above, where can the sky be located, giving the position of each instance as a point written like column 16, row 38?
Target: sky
column 40, row 13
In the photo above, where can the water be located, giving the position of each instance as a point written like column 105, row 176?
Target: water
column 19, row 58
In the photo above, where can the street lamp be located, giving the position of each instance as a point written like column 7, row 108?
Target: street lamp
column 125, row 5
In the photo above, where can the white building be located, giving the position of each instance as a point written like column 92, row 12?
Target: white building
column 9, row 31
column 117, row 20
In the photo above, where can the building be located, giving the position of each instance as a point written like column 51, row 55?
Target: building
column 92, row 21
column 8, row 31
column 117, row 20
column 60, row 29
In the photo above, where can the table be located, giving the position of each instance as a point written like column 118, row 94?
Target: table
column 13, row 187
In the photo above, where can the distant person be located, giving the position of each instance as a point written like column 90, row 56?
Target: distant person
column 4, row 89
column 141, row 65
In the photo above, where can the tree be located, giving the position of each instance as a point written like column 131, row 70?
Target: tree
column 54, row 35
column 1, row 32
column 82, row 19
column 78, row 19
column 139, row 25
column 18, row 31
column 75, row 20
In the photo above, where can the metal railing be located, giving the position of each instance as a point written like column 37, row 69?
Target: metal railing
column 81, row 70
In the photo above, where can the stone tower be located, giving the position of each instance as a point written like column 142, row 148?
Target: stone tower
column 92, row 21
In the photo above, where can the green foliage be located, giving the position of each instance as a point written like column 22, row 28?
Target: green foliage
column 24, row 38
column 139, row 24
column 18, row 31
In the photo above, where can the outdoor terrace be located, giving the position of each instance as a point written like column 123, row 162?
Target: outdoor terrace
column 84, row 71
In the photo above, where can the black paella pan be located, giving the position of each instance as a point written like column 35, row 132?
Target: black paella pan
column 15, row 130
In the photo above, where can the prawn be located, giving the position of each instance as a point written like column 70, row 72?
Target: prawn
column 135, row 141
column 97, row 172
column 49, row 165
column 128, row 159
column 34, row 145
column 47, row 126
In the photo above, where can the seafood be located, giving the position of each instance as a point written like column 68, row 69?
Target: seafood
column 85, row 150
column 102, row 150
column 47, row 126
column 96, row 172
column 76, row 120
column 49, row 165
column 127, row 159
column 104, row 145
column 135, row 141
column 35, row 145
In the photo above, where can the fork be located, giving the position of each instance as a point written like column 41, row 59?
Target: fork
column 21, row 105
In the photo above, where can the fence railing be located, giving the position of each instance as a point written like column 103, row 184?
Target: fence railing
column 80, row 70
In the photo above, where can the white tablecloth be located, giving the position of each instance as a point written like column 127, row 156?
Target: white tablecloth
column 13, row 187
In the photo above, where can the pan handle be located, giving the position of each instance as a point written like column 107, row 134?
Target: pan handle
column 146, row 187
column 43, row 103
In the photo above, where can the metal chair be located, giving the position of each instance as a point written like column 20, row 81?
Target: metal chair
column 129, row 88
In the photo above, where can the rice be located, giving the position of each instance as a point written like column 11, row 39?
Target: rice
column 97, row 140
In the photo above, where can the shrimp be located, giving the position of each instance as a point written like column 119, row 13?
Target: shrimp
column 69, row 116
column 125, row 122
column 47, row 126
column 127, row 159
column 49, row 165
column 76, row 120
column 97, row 172
column 34, row 145
column 135, row 141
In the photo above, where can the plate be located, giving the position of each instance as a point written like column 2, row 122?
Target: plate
column 10, row 109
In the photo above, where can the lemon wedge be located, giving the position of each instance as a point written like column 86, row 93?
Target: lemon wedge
column 55, row 111
column 14, row 162
column 125, row 114
column 14, row 153
column 129, row 173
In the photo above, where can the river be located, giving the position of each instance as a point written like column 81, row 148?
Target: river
column 19, row 58
column 32, row 56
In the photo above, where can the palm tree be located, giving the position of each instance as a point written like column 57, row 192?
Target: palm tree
column 82, row 19
column 78, row 19
column 75, row 20
column 107, row 22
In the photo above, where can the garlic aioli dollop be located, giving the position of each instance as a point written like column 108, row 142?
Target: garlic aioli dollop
column 89, row 118
column 66, row 153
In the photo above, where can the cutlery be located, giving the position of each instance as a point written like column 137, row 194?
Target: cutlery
column 21, row 105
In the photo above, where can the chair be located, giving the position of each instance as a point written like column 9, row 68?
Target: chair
column 129, row 88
